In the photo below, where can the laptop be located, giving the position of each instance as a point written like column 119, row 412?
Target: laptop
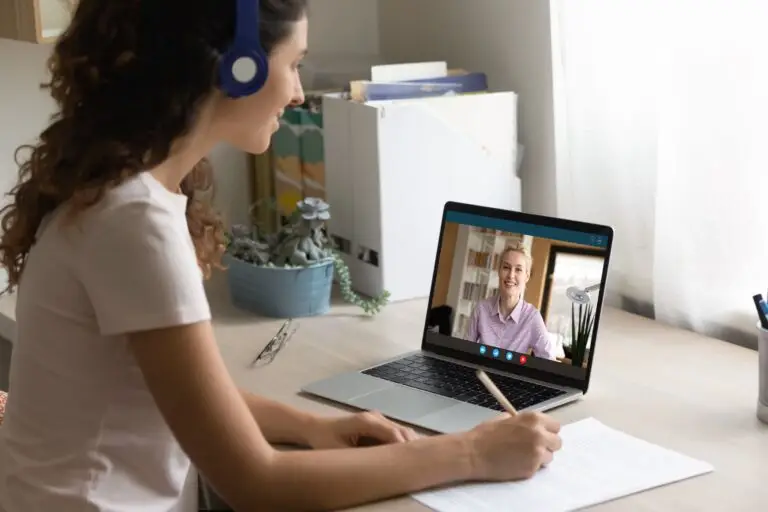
column 531, row 324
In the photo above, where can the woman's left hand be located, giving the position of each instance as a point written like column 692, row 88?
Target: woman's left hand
column 349, row 430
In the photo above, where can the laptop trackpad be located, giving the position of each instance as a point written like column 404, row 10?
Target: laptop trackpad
column 403, row 403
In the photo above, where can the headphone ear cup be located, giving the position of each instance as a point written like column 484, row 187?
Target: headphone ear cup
column 243, row 70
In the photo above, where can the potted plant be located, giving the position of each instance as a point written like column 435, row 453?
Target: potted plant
column 290, row 273
column 582, row 321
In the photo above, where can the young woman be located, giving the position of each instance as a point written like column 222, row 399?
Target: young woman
column 506, row 320
column 116, row 376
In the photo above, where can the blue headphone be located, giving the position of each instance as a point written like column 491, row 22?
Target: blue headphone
column 244, row 67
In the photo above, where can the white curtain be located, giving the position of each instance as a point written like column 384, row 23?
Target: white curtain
column 662, row 132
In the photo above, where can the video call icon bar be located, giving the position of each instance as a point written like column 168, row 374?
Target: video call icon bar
column 496, row 353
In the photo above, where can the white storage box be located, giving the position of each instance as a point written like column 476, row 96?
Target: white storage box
column 390, row 166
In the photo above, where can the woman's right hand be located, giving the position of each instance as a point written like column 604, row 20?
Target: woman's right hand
column 514, row 447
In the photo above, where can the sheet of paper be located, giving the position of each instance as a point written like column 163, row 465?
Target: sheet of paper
column 596, row 464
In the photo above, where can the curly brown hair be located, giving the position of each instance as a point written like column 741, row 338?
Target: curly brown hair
column 128, row 78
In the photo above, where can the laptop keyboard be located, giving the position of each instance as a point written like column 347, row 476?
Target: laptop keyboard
column 460, row 382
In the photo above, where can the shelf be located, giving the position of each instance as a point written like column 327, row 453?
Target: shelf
column 35, row 21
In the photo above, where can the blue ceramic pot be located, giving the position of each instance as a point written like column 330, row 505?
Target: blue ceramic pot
column 280, row 292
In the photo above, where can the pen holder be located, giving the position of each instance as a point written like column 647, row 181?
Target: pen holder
column 762, row 349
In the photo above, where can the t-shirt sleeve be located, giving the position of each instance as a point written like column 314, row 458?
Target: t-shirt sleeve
column 140, row 270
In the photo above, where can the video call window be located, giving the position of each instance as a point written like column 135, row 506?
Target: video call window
column 519, row 293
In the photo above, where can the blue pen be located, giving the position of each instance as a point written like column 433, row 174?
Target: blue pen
column 762, row 310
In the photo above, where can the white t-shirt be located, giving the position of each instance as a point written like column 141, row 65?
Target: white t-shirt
column 82, row 432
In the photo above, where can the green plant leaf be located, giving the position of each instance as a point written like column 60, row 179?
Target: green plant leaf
column 369, row 306
column 573, row 327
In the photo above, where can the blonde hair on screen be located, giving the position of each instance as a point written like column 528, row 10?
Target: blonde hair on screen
column 519, row 248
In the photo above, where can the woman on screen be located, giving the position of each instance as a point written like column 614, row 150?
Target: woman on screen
column 506, row 320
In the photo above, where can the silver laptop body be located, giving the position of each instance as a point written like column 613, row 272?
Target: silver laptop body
column 433, row 388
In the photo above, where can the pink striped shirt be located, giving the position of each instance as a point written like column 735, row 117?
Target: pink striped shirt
column 521, row 331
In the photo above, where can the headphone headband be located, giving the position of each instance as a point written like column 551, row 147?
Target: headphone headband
column 244, row 66
column 247, row 20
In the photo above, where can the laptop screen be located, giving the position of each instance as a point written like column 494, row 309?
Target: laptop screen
column 518, row 293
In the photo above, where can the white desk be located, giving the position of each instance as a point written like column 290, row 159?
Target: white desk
column 687, row 392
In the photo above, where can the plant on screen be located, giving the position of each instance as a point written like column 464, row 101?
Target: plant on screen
column 582, row 321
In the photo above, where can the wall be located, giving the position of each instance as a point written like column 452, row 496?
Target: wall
column 24, row 109
column 343, row 26
column 507, row 39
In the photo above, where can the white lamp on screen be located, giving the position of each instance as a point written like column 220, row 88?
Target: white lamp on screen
column 581, row 295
